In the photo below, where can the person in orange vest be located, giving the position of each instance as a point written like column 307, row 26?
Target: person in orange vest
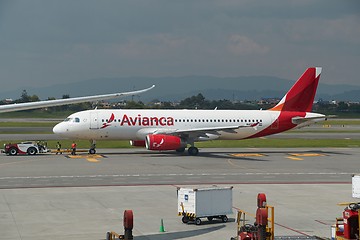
column 73, row 148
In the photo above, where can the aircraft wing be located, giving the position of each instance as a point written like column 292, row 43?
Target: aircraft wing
column 202, row 131
column 59, row 102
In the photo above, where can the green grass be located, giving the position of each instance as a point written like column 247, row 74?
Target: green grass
column 28, row 124
column 37, row 114
column 341, row 122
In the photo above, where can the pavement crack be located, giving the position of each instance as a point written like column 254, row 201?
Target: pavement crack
column 12, row 215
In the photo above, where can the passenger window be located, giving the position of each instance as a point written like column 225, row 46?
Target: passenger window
column 77, row 120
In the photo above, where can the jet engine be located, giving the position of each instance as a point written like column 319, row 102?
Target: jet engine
column 137, row 143
column 164, row 142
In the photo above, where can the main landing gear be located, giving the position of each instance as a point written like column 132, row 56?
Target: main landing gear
column 192, row 151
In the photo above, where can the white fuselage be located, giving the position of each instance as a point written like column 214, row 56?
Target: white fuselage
column 136, row 124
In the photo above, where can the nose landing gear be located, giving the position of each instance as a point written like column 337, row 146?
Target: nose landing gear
column 92, row 149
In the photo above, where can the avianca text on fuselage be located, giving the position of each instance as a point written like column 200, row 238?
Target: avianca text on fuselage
column 139, row 120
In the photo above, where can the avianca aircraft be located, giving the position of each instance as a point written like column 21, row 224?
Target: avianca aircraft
column 59, row 102
column 176, row 129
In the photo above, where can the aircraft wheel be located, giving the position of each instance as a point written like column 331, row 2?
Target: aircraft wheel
column 193, row 151
column 92, row 151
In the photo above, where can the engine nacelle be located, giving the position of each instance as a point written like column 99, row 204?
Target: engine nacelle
column 137, row 143
column 163, row 142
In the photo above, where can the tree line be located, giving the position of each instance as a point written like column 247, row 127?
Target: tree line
column 199, row 102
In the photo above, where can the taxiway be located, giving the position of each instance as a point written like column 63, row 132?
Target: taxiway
column 82, row 197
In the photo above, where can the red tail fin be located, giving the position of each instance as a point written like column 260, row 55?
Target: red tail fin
column 300, row 97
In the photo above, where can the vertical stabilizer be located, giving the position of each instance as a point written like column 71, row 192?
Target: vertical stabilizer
column 301, row 96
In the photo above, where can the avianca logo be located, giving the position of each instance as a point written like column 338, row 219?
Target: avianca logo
column 157, row 145
column 108, row 122
column 140, row 121
column 146, row 121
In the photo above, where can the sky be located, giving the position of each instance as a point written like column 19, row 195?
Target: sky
column 47, row 42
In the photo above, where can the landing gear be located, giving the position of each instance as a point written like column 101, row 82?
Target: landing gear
column 92, row 149
column 193, row 151
column 180, row 150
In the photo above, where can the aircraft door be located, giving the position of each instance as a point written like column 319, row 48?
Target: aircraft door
column 94, row 121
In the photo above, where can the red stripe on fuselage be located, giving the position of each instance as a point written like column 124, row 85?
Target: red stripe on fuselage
column 281, row 124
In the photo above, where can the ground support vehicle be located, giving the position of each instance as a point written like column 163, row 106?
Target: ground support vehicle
column 211, row 203
column 128, row 223
column 30, row 148
column 262, row 229
column 348, row 226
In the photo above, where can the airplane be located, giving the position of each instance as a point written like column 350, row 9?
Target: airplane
column 162, row 130
column 59, row 102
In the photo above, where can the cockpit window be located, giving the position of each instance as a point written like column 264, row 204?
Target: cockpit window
column 76, row 120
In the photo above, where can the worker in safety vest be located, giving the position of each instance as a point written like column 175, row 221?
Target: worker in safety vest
column 73, row 148
column 58, row 147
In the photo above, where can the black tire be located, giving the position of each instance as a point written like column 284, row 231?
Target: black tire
column 185, row 219
column 92, row 151
column 31, row 151
column 13, row 151
column 224, row 219
column 193, row 151
column 210, row 218
column 198, row 221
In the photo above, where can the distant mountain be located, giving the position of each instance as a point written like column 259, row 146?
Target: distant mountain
column 177, row 88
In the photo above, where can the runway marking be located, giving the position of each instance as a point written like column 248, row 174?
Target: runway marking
column 307, row 154
column 247, row 155
column 295, row 158
column 182, row 175
column 89, row 157
column 298, row 156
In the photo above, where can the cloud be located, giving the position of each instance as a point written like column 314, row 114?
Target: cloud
column 242, row 45
column 150, row 46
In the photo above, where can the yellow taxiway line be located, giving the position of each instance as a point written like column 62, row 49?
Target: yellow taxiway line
column 247, row 155
column 89, row 157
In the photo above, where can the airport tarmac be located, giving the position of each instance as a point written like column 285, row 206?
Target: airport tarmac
column 82, row 197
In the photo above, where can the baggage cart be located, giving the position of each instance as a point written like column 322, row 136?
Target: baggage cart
column 211, row 203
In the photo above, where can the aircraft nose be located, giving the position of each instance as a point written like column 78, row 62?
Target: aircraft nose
column 59, row 129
